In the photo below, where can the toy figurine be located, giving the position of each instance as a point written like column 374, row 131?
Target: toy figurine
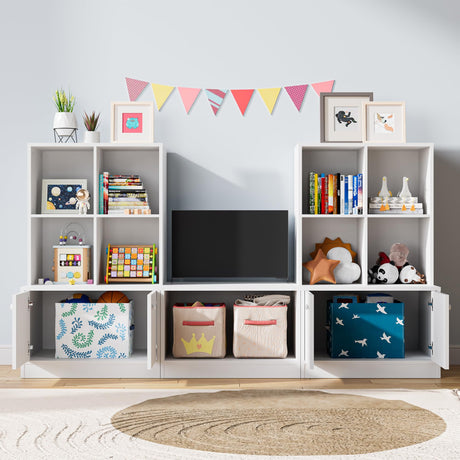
column 384, row 192
column 83, row 201
column 405, row 192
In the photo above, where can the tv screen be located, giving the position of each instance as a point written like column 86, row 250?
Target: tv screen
column 230, row 245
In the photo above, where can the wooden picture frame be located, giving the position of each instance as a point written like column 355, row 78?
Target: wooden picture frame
column 132, row 122
column 341, row 116
column 59, row 195
column 384, row 122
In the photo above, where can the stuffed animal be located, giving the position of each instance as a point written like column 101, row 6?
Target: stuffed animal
column 409, row 274
column 398, row 254
column 388, row 273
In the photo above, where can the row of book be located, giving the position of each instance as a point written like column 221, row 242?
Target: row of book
column 122, row 194
column 335, row 194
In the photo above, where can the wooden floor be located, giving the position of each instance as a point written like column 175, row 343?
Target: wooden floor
column 450, row 380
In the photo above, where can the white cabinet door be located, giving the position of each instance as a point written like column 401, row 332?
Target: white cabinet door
column 153, row 301
column 440, row 329
column 309, row 329
column 21, row 329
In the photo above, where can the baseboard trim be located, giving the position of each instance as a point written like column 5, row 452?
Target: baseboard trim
column 454, row 355
column 5, row 355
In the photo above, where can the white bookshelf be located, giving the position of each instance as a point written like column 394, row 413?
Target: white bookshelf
column 426, row 309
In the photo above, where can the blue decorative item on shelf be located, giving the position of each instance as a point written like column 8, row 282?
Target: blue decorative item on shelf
column 366, row 330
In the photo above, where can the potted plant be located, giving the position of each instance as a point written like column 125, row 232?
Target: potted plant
column 64, row 122
column 91, row 123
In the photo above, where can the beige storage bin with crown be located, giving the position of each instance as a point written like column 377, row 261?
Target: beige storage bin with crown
column 199, row 330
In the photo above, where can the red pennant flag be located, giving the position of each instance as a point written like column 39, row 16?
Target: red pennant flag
column 135, row 87
column 188, row 96
column 297, row 94
column 242, row 98
column 323, row 87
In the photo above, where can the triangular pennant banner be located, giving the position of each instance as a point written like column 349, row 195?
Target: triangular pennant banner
column 188, row 96
column 269, row 96
column 161, row 93
column 297, row 94
column 135, row 87
column 215, row 98
column 323, row 87
column 242, row 98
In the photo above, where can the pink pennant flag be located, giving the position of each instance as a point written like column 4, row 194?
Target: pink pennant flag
column 242, row 98
column 323, row 87
column 188, row 96
column 297, row 94
column 215, row 98
column 135, row 87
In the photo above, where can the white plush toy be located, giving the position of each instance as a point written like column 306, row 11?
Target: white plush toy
column 347, row 271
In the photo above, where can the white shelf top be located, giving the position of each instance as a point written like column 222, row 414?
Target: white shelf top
column 369, row 145
column 92, row 287
column 333, row 216
column 398, row 216
column 370, row 287
column 49, row 355
column 128, row 216
column 411, row 355
column 202, row 286
column 104, row 145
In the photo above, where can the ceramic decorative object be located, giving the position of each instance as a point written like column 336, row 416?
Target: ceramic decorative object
column 92, row 137
column 64, row 123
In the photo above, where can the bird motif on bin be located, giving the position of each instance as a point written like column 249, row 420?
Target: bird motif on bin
column 344, row 353
column 381, row 309
column 363, row 342
column 339, row 321
column 355, row 316
column 344, row 305
column 400, row 321
column 380, row 355
column 386, row 337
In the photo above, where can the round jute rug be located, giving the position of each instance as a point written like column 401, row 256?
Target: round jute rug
column 279, row 422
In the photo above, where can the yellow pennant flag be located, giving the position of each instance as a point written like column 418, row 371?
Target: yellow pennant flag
column 161, row 93
column 269, row 96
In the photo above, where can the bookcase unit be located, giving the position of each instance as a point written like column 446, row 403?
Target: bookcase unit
column 426, row 308
column 427, row 341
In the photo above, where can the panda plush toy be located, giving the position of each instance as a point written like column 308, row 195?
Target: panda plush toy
column 384, row 271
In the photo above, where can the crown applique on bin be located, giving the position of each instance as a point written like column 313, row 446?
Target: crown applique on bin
column 202, row 345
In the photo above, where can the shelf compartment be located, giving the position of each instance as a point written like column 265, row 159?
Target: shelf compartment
column 142, row 160
column 349, row 229
column 121, row 231
column 395, row 162
column 44, row 234
column 325, row 159
column 416, row 234
column 58, row 162
column 219, row 368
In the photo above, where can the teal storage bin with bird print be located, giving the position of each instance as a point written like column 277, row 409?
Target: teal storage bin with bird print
column 365, row 330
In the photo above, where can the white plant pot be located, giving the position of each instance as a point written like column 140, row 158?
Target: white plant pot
column 64, row 123
column 92, row 137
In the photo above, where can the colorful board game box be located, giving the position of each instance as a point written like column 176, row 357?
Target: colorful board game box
column 131, row 264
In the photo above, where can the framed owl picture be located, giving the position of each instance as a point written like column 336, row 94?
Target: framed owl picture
column 342, row 117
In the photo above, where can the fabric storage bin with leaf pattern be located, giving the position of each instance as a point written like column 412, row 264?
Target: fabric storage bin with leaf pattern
column 94, row 330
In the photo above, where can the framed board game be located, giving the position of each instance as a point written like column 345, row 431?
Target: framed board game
column 131, row 264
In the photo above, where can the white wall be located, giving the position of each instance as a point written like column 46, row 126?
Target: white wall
column 399, row 50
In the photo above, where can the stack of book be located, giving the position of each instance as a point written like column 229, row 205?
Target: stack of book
column 122, row 194
column 335, row 194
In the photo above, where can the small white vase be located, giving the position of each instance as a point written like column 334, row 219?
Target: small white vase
column 92, row 137
column 64, row 123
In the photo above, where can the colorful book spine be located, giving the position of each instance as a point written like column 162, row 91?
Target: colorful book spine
column 338, row 193
column 106, row 192
column 342, row 194
column 101, row 194
column 334, row 194
column 330, row 194
column 350, row 194
column 355, row 194
column 360, row 194
column 345, row 196
column 311, row 197
column 323, row 194
column 317, row 201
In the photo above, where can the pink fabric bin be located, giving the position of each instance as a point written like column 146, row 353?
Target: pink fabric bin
column 259, row 331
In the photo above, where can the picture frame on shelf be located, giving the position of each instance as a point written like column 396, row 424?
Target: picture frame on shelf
column 132, row 122
column 59, row 196
column 384, row 122
column 342, row 117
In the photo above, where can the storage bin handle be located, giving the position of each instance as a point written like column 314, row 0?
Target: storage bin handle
column 197, row 323
column 251, row 322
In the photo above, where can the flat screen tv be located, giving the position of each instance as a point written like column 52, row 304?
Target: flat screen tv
column 229, row 245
